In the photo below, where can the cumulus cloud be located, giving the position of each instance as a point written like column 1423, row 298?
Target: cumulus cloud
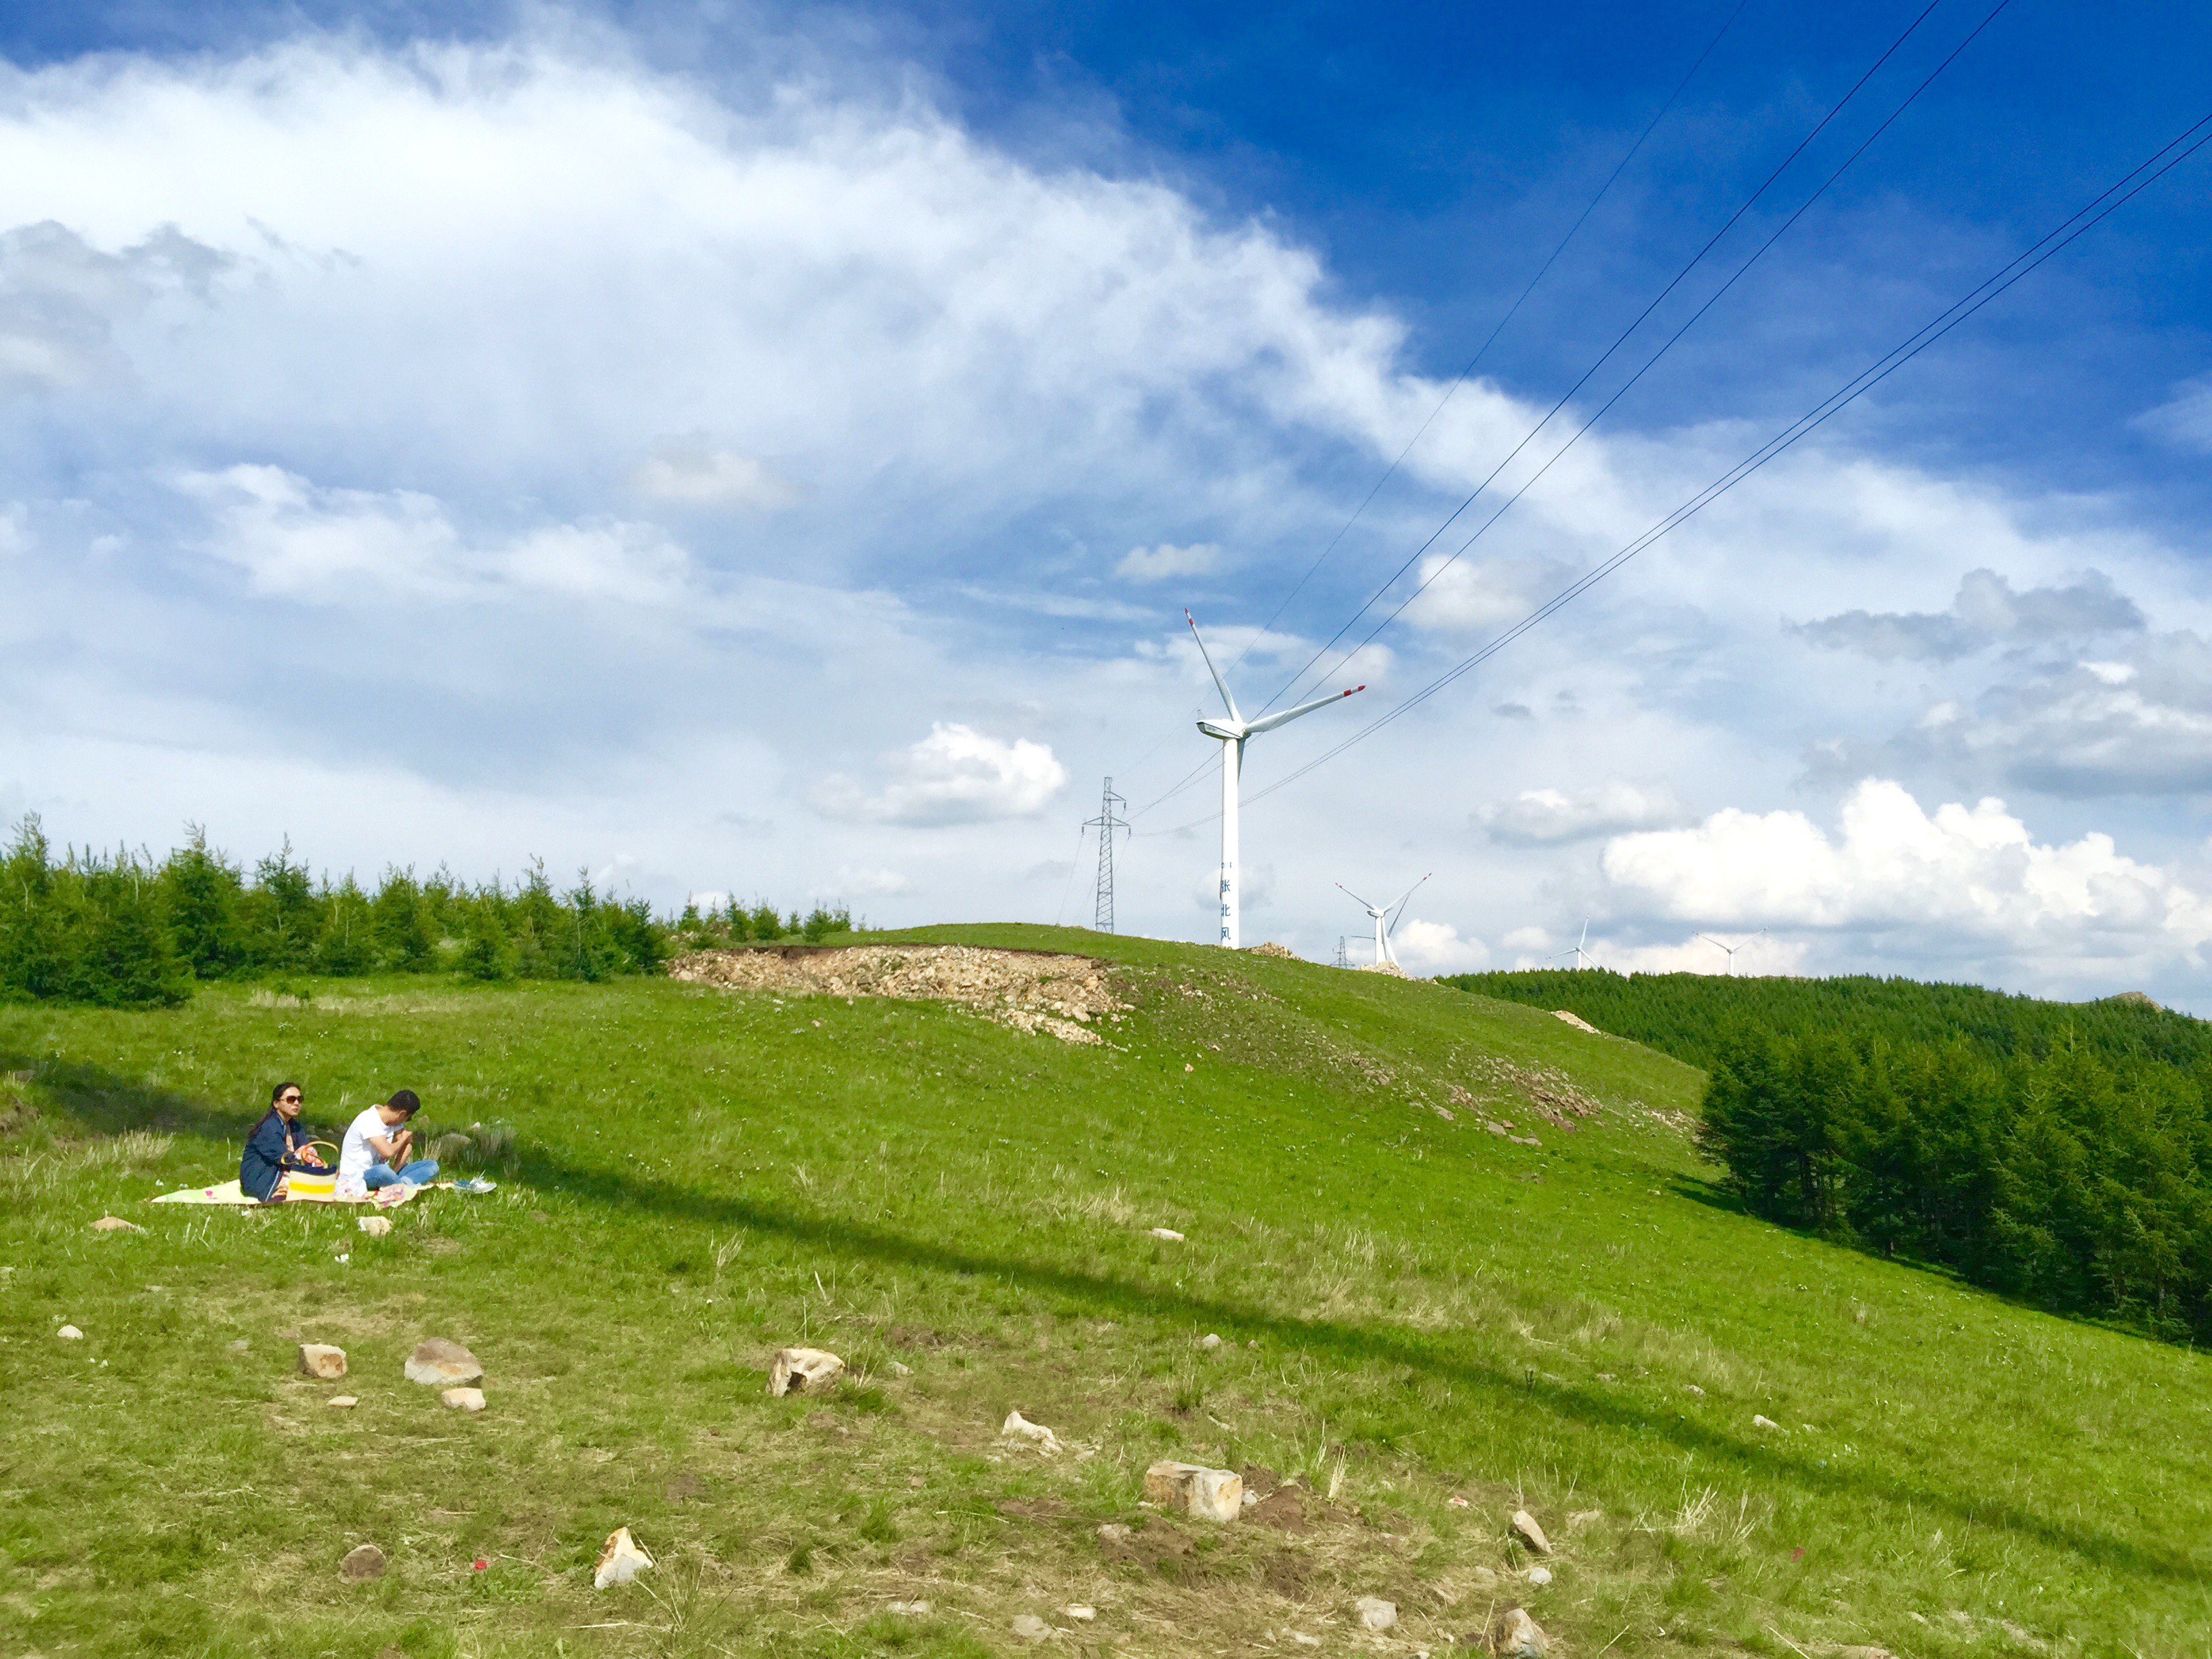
column 694, row 473
column 1755, row 955
column 293, row 539
column 1973, row 871
column 1435, row 947
column 61, row 300
column 1987, row 612
column 1157, row 564
column 863, row 882
column 1552, row 817
column 956, row 775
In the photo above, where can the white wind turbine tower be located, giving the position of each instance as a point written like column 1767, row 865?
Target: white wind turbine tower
column 1385, row 917
column 1719, row 944
column 1230, row 733
column 1582, row 958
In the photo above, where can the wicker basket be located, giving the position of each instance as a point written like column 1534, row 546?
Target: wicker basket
column 314, row 1184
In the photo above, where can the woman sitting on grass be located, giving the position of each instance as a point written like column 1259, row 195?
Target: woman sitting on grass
column 375, row 1143
column 277, row 1145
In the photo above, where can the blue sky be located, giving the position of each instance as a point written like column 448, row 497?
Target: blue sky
column 767, row 449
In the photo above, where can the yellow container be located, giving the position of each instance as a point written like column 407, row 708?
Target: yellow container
column 314, row 1184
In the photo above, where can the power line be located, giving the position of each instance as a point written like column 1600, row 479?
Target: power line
column 1530, row 482
column 1621, row 339
column 2078, row 224
column 1512, row 311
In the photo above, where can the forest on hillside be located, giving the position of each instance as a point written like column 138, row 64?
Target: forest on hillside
column 2058, row 1152
column 125, row 929
column 1687, row 1015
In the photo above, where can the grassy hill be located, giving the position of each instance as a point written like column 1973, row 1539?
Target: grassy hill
column 1414, row 1310
column 1685, row 1015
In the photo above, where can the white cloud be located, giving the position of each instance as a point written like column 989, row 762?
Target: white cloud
column 1973, row 871
column 1695, row 956
column 296, row 539
column 1157, row 564
column 1552, row 817
column 1435, row 947
column 693, row 473
column 852, row 883
column 1987, row 612
column 956, row 775
column 2185, row 419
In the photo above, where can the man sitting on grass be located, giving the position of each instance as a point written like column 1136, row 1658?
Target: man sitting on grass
column 375, row 1144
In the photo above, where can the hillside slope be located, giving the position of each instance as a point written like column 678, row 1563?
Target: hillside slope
column 1414, row 1309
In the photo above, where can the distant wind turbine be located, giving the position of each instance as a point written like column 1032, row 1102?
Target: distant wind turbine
column 1582, row 958
column 1720, row 945
column 1385, row 917
column 1230, row 733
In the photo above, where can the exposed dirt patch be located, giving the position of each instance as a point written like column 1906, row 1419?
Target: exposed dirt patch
column 1034, row 1509
column 1029, row 990
column 1285, row 1511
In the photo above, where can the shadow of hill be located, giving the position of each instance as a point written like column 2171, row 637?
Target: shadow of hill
column 109, row 1103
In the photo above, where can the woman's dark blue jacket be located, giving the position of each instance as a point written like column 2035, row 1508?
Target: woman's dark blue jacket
column 272, row 1149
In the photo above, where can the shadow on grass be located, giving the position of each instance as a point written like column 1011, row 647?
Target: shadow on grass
column 107, row 1104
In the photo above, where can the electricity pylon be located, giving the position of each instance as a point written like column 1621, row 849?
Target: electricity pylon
column 1106, row 824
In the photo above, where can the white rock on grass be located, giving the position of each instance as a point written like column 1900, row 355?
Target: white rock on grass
column 1082, row 1613
column 1168, row 1233
column 1030, row 1628
column 322, row 1361
column 1209, row 1341
column 1514, row 1635
column 374, row 1225
column 69, row 1333
column 363, row 1562
column 1018, row 1427
column 1374, row 1613
column 464, row 1400
column 909, row 1609
column 439, row 1364
column 344, row 1402
column 1210, row 1494
column 1530, row 1533
column 621, row 1559
column 1539, row 1576
column 1113, row 1533
column 1758, row 1422
column 116, row 1223
column 802, row 1371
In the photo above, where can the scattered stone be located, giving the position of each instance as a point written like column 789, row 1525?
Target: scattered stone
column 1209, row 1341
column 1539, row 1576
column 1210, row 1494
column 1081, row 1612
column 464, row 1400
column 1584, row 1517
column 1168, row 1233
column 69, row 1333
column 439, row 1364
column 1758, row 1422
column 1692, row 1388
column 898, row 1370
column 116, row 1223
column 1030, row 1628
column 1374, row 1613
column 1531, row 1534
column 1304, row 1640
column 362, row 1562
column 802, row 1371
column 1514, row 1635
column 909, row 1609
column 1113, row 1533
column 1576, row 1021
column 1456, row 1502
column 374, row 1225
column 240, row 1346
column 344, row 1402
column 1018, row 1427
column 620, row 1560
column 320, row 1360
column 1251, row 1498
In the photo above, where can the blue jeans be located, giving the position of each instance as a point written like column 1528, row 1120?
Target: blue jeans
column 421, row 1173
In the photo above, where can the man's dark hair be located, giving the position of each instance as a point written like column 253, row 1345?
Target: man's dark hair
column 404, row 1100
column 280, row 1090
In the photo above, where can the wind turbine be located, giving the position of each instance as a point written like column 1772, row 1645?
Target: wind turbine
column 1731, row 949
column 1582, row 956
column 1230, row 733
column 1385, row 917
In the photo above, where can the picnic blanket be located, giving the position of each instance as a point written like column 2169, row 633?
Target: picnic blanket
column 229, row 1194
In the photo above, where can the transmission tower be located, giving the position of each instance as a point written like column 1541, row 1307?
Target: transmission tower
column 1106, row 824
column 1343, row 960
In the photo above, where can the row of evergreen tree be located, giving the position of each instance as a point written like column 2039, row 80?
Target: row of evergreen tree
column 127, row 930
column 1686, row 1015
column 2068, row 1179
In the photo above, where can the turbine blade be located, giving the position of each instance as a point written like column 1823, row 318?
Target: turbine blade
column 1220, row 684
column 1269, row 722
column 1355, row 898
column 1398, row 904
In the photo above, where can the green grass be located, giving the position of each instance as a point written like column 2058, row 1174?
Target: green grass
column 1413, row 1309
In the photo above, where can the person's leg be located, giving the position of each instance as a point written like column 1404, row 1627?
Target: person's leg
column 380, row 1174
column 421, row 1173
